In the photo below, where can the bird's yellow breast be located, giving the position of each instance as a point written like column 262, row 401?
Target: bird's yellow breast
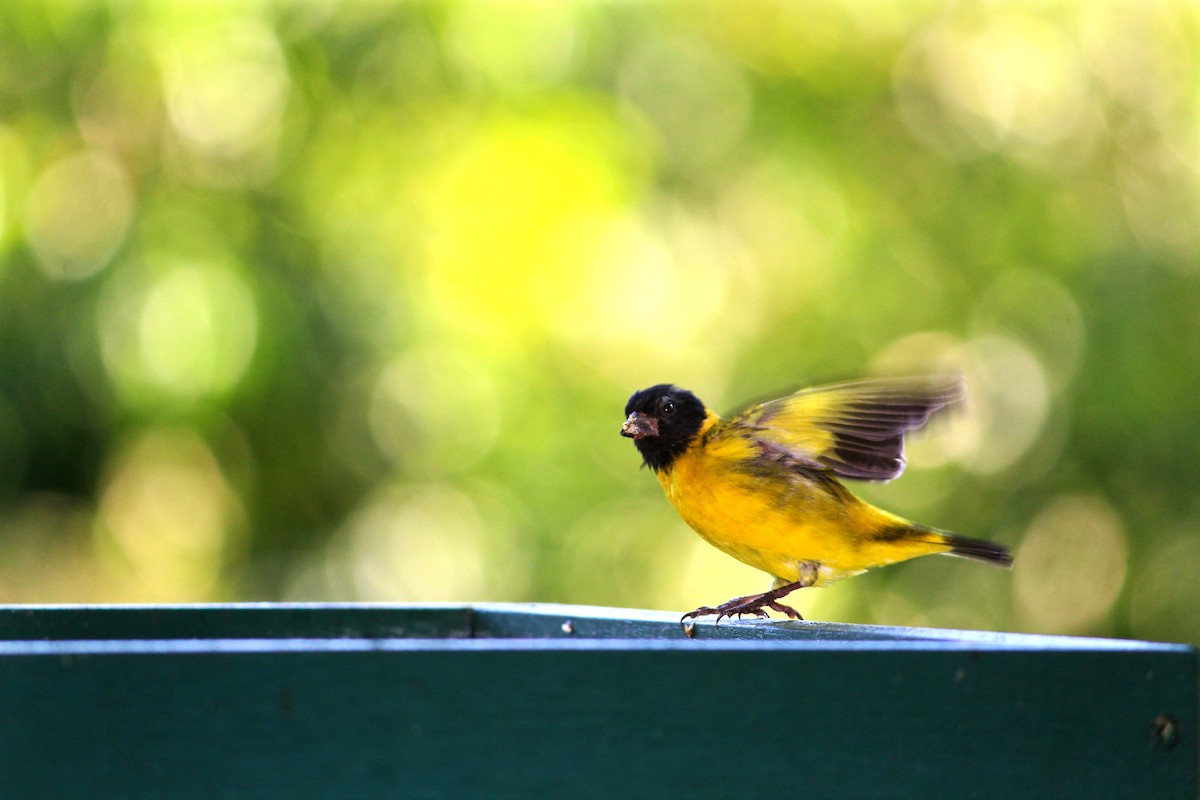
column 775, row 519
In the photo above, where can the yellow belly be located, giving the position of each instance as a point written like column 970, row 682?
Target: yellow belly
column 777, row 521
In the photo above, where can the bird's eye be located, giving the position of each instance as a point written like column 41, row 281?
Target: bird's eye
column 668, row 407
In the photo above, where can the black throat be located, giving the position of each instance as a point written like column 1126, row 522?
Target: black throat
column 660, row 453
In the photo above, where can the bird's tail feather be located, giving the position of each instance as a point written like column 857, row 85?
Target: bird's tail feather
column 979, row 550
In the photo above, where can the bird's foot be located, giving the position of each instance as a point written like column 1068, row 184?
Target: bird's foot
column 756, row 604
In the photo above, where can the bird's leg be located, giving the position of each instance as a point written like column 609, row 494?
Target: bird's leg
column 757, row 604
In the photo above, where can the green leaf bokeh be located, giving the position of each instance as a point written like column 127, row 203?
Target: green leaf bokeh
column 343, row 301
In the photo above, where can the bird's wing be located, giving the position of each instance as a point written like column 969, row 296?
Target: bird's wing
column 855, row 429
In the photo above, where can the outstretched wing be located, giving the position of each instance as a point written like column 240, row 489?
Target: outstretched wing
column 855, row 429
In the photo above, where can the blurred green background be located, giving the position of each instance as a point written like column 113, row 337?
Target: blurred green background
column 343, row 301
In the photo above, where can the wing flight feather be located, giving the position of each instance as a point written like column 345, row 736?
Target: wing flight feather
column 856, row 429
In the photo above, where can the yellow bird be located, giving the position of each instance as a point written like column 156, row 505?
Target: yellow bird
column 763, row 486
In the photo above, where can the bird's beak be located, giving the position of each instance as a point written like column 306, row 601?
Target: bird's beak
column 639, row 426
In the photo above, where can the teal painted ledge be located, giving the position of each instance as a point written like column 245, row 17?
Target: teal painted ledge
column 519, row 701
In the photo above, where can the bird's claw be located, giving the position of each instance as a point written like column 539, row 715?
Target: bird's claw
column 723, row 611
column 756, row 604
column 790, row 612
column 739, row 607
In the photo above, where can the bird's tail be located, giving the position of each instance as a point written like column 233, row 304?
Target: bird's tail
column 978, row 550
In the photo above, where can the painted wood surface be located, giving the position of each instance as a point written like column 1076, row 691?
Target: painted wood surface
column 502, row 701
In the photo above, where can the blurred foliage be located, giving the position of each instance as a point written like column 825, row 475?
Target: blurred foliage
column 343, row 301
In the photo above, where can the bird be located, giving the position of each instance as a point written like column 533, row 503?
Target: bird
column 765, row 485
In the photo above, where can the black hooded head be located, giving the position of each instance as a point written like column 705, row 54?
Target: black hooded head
column 662, row 420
